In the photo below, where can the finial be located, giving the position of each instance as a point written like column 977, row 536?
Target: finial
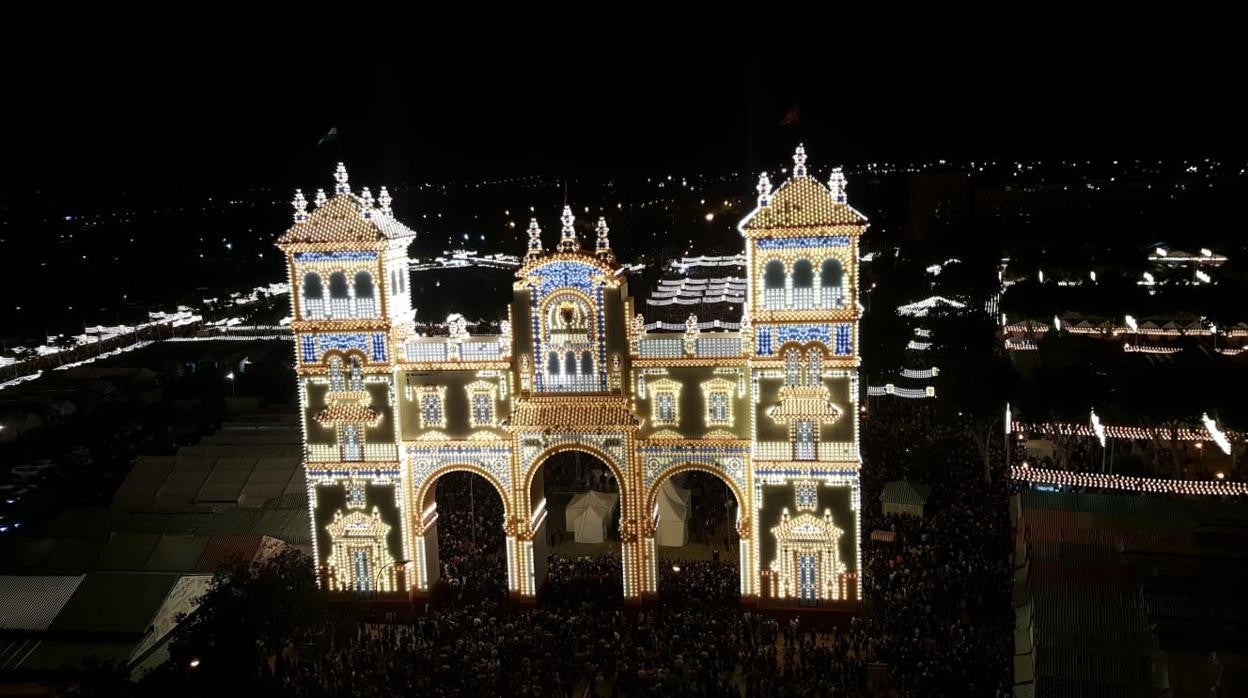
column 384, row 199
column 535, row 240
column 300, row 205
column 799, row 161
column 367, row 196
column 320, row 198
column 764, row 190
column 837, row 184
column 340, row 176
column 603, row 247
column 568, row 241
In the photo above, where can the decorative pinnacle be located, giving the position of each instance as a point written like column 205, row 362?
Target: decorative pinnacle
column 367, row 196
column 535, row 240
column 799, row 161
column 567, row 240
column 384, row 199
column 603, row 246
column 764, row 190
column 300, row 205
column 837, row 184
column 320, row 198
column 340, row 176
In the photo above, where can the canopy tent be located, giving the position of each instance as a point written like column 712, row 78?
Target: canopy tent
column 673, row 505
column 589, row 514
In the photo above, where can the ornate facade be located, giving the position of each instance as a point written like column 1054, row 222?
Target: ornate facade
column 771, row 409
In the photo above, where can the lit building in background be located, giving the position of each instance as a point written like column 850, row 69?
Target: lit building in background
column 770, row 409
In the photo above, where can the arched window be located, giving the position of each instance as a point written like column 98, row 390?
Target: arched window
column 365, row 306
column 803, row 284
column 355, row 377
column 312, row 286
column 569, row 364
column 339, row 296
column 313, row 296
column 831, row 282
column 336, row 380
column 792, row 368
column 814, row 367
column 552, row 366
column 587, row 364
column 773, row 285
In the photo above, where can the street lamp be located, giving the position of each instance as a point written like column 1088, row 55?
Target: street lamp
column 233, row 386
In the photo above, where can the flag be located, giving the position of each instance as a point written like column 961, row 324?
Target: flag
column 332, row 135
column 792, row 116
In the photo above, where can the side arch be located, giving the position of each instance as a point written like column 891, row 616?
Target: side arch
column 652, row 493
column 425, row 489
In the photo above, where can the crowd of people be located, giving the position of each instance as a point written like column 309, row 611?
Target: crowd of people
column 940, row 591
column 936, row 616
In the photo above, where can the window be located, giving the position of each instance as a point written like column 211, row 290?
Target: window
column 432, row 402
column 665, row 408
column 773, row 285
column 339, row 295
column 365, row 305
column 552, row 366
column 313, row 296
column 718, row 395
column 482, row 410
column 804, row 440
column 352, row 448
column 587, row 364
column 718, row 409
column 803, row 284
column 792, row 368
column 355, row 376
column 831, row 284
column 814, row 368
column 361, row 571
column 569, row 364
column 355, row 495
column 336, row 382
column 664, row 394
column 481, row 396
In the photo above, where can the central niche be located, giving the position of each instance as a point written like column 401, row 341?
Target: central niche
column 569, row 339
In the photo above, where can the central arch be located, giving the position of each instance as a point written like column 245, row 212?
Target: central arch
column 595, row 492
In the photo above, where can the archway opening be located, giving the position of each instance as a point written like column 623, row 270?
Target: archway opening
column 472, row 561
column 581, row 557
column 696, row 540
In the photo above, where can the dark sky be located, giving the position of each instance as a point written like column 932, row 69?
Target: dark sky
column 132, row 100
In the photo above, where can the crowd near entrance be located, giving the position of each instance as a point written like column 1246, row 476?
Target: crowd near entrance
column 696, row 536
column 576, row 548
column 470, row 537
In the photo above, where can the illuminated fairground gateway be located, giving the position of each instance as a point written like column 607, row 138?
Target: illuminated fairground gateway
column 771, row 409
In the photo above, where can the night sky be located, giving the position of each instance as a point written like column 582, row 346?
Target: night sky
column 129, row 100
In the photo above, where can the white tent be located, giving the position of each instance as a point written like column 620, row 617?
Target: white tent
column 589, row 514
column 673, row 504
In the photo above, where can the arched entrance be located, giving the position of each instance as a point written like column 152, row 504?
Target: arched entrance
column 696, row 536
column 461, row 547
column 577, row 500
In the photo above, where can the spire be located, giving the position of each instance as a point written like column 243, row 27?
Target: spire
column 837, row 184
column 535, row 241
column 384, row 199
column 340, row 176
column 764, row 190
column 320, row 198
column 367, row 196
column 568, row 241
column 603, row 247
column 799, row 161
column 300, row 205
